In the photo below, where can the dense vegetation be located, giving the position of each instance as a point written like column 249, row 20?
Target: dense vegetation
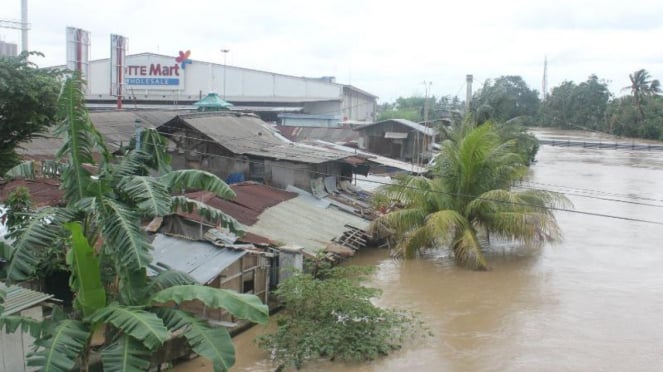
column 588, row 105
column 28, row 97
column 504, row 99
column 329, row 314
column 97, row 237
column 412, row 108
column 467, row 200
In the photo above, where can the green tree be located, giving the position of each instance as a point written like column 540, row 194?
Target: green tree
column 577, row 106
column 332, row 317
column 107, row 254
column 642, row 86
column 409, row 114
column 468, row 200
column 625, row 119
column 558, row 109
column 28, row 102
column 412, row 108
column 505, row 98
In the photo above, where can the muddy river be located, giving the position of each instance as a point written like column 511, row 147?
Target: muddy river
column 593, row 302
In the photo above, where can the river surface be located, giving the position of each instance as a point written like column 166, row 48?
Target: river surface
column 592, row 302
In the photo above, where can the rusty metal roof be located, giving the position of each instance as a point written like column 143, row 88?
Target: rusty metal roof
column 42, row 192
column 251, row 199
column 246, row 134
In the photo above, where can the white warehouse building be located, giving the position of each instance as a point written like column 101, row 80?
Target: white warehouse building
column 154, row 79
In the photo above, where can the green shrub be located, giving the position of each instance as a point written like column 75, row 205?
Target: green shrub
column 332, row 316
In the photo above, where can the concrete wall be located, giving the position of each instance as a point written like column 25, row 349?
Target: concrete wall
column 358, row 106
column 325, row 108
column 283, row 173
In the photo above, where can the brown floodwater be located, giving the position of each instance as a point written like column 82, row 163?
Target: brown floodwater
column 592, row 302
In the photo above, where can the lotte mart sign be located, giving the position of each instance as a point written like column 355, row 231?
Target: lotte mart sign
column 155, row 72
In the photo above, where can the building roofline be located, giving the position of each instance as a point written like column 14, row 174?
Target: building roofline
column 408, row 123
column 352, row 87
column 314, row 79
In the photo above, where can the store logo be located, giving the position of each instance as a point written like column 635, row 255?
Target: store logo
column 183, row 59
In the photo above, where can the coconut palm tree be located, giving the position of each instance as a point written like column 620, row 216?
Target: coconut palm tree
column 107, row 254
column 467, row 200
column 642, row 86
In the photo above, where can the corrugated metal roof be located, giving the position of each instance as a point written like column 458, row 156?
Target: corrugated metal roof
column 19, row 298
column 245, row 134
column 305, row 221
column 202, row 260
column 40, row 148
column 408, row 123
column 117, row 127
column 383, row 160
column 336, row 135
column 250, row 200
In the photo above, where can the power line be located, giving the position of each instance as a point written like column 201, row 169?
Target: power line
column 592, row 191
column 594, row 197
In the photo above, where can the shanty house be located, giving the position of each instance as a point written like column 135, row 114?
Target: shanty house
column 238, row 147
column 118, row 128
column 399, row 139
column 14, row 347
column 239, row 269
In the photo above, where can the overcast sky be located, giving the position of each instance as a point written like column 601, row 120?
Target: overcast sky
column 387, row 48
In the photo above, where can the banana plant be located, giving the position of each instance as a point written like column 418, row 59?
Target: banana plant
column 99, row 227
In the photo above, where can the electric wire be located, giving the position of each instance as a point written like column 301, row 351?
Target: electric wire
column 593, row 197
column 592, row 191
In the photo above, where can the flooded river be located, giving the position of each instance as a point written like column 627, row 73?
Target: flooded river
column 593, row 302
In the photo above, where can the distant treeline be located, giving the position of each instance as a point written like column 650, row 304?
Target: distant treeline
column 588, row 105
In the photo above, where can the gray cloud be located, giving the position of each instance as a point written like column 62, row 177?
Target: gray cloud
column 387, row 49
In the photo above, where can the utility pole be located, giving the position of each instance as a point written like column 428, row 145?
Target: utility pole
column 419, row 144
column 225, row 67
column 23, row 25
column 427, row 85
column 468, row 93
column 544, row 88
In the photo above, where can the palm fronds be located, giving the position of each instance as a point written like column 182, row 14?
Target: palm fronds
column 470, row 190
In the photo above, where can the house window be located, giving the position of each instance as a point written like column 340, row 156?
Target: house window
column 248, row 284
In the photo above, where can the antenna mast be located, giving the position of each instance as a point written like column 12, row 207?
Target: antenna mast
column 545, row 79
